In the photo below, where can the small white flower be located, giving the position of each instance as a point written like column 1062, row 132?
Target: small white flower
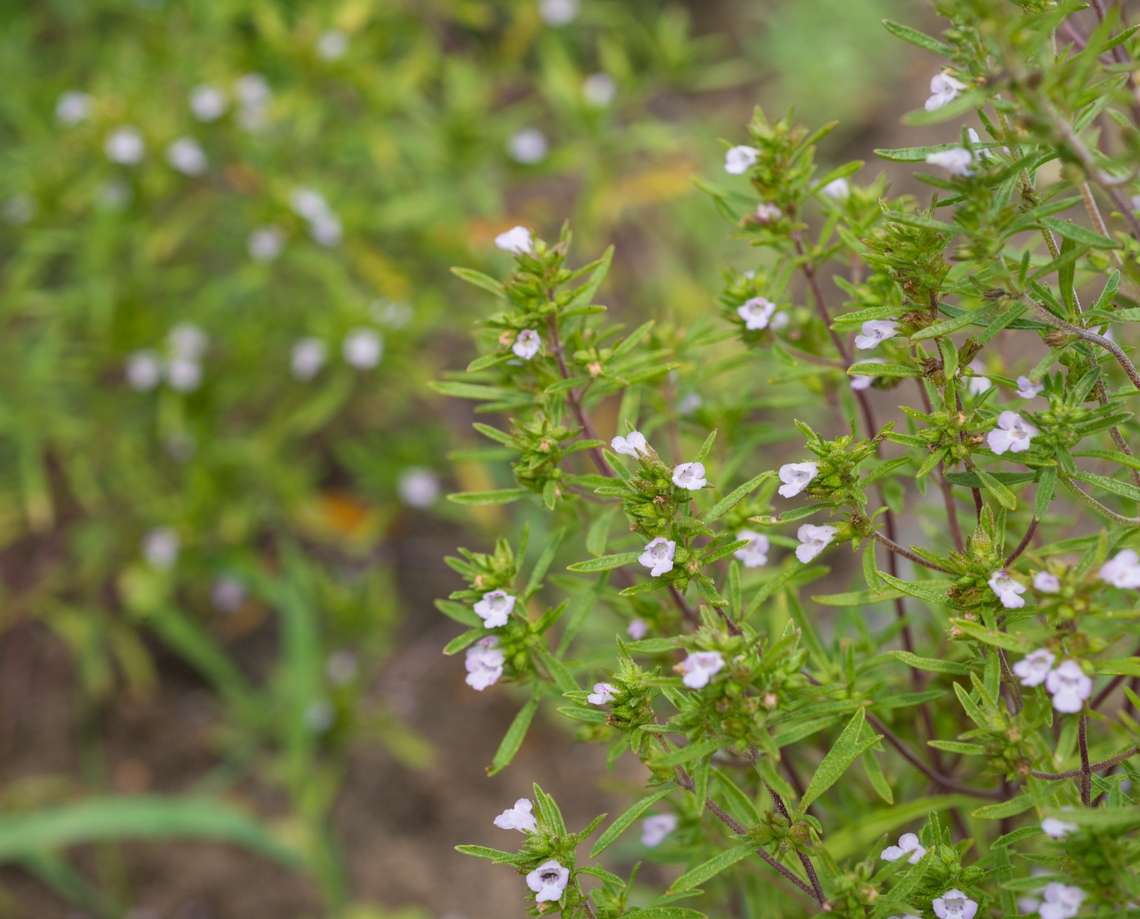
column 837, row 189
column 125, row 146
column 187, row 156
column 943, row 90
column 495, row 608
column 392, row 313
column 1007, row 589
column 689, row 403
column 637, row 629
column 602, row 695
column 1034, row 667
column 599, row 90
column 779, row 321
column 308, row 203
column 1046, row 582
column 550, row 879
column 183, row 374
column 327, row 230
column 1013, row 433
column 1122, row 570
column 813, row 540
column 690, row 476
column 874, row 332
column 1027, row 389
column 528, row 146
column 19, row 210
column 861, row 382
column 527, row 344
column 978, row 383
column 1062, row 901
column 319, row 716
column 796, row 477
column 341, row 667
column 738, row 160
column 654, row 829
column 766, row 212
column 954, row 905
column 332, row 45
column 520, row 817
column 252, row 90
column 630, row 445
column 187, row 341
column 956, row 161
column 1027, row 905
column 308, row 357
column 658, row 556
column 484, row 663
column 266, row 243
column 143, row 370
column 909, row 847
column 1056, row 828
column 228, row 595
column 208, row 103
column 160, row 548
column 755, row 553
column 558, row 12
column 1069, row 686
column 418, row 487
column 72, row 107
column 698, row 668
column 756, row 312
column 516, row 240
column 362, row 348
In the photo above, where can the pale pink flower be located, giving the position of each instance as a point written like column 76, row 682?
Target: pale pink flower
column 796, row 477
column 1046, row 582
column 813, row 540
column 738, row 160
column 909, row 848
column 690, row 476
column 956, row 161
column 658, row 556
column 495, row 608
column 1069, row 686
column 548, row 881
column 954, row 905
column 698, row 668
column 943, row 90
column 654, row 829
column 1056, row 828
column 630, row 445
column 1007, row 589
column 637, row 629
column 755, row 553
column 527, row 344
column 875, row 331
column 1062, row 901
column 484, row 663
column 1122, row 570
column 516, row 240
column 1013, row 433
column 756, row 313
column 1027, row 389
column 603, row 694
column 1034, row 667
column 519, row 817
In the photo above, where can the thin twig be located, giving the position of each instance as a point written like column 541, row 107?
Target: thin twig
column 906, row 553
column 1024, row 544
column 1095, row 767
column 575, row 400
column 1086, row 769
column 820, row 897
column 1107, row 343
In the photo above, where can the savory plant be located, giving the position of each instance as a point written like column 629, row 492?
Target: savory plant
column 953, row 736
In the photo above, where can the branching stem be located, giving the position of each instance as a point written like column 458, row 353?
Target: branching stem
column 906, row 553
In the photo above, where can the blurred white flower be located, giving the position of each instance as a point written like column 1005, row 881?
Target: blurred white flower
column 689, row 403
column 143, row 369
column 1122, row 570
column 796, row 477
column 187, row 341
column 332, row 45
column 861, row 382
column 637, row 629
column 909, row 848
column 125, row 146
column 1056, row 828
column 418, row 487
column 978, row 383
column 527, row 344
column 227, row 594
column 319, row 716
column 837, row 189
column 187, row 156
column 114, row 195
column 307, row 358
column 484, row 663
column 19, row 210
column 1045, row 582
column 558, row 12
column 956, row 161
column 756, row 312
column 327, row 230
column 208, row 102
column 654, row 829
column 362, row 348
column 72, row 107
column 599, row 89
column 954, row 905
column 766, row 212
column 548, row 880
column 1032, row 669
column 738, row 160
column 1027, row 389
column 528, row 146
column 813, row 540
column 265, row 243
column 495, row 608
column 630, row 445
column 160, row 548
column 395, row 314
column 520, row 817
column 699, row 667
column 658, row 556
column 779, row 321
column 516, row 240
column 341, row 667
column 252, row 89
column 1007, row 589
column 690, row 476
column 603, row 694
column 755, row 553
column 308, row 203
column 875, row 331
column 1013, row 433
column 943, row 90
column 1062, row 901
column 183, row 374
column 1069, row 686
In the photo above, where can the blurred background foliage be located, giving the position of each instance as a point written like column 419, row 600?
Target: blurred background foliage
column 225, row 229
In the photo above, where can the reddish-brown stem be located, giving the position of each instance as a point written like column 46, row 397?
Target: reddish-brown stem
column 1095, row 767
column 906, row 553
column 809, row 868
column 574, row 398
column 1024, row 544
column 1086, row 769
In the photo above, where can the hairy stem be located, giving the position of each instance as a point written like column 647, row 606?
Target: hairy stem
column 1086, row 769
column 1107, row 343
column 1024, row 544
column 906, row 553
column 1095, row 767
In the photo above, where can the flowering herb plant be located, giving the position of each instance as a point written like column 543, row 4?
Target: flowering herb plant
column 954, row 735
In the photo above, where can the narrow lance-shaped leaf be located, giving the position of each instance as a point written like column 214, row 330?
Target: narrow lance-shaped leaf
column 848, row 748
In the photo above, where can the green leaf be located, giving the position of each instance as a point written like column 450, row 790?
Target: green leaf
column 1124, row 666
column 1078, row 234
column 553, row 544
column 495, row 855
column 957, row 746
column 480, row 280
column 855, row 837
column 584, row 295
column 735, row 497
column 499, row 496
column 848, row 748
column 906, row 33
column 664, row 912
column 920, row 591
column 859, row 597
column 947, row 326
column 605, row 563
column 459, row 613
column 930, row 664
column 992, row 636
column 619, row 826
column 652, row 645
column 1101, row 818
column 712, row 867
column 687, row 754
column 138, row 817
column 883, row 370
column 1002, row 494
column 460, row 642
column 513, row 739
column 706, row 448
column 1010, row 808
column 1112, row 486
